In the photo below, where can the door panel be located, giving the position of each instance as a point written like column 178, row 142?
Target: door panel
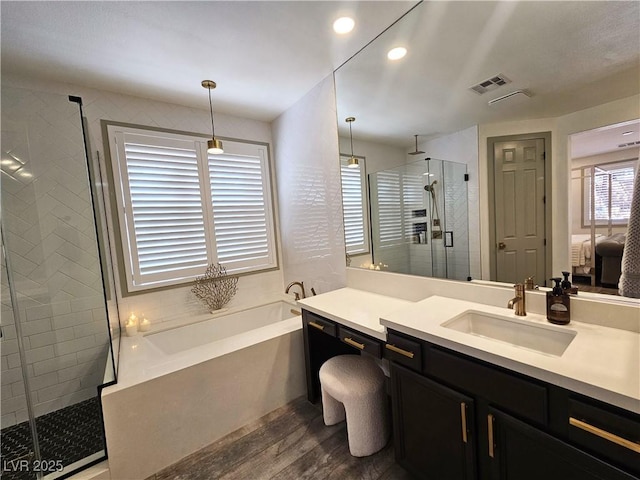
column 519, row 190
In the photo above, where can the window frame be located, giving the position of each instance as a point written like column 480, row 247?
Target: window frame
column 132, row 282
column 586, row 192
column 365, row 247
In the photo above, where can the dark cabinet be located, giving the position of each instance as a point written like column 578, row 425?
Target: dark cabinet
column 460, row 418
column 519, row 451
column 432, row 427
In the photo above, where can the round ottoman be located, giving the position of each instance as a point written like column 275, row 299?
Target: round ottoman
column 353, row 386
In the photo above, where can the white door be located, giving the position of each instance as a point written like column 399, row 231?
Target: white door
column 519, row 198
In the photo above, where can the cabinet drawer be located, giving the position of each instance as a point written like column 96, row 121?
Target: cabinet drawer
column 359, row 341
column 607, row 433
column 319, row 323
column 518, row 396
column 403, row 350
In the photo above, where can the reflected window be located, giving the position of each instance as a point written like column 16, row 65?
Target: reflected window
column 612, row 193
column 354, row 206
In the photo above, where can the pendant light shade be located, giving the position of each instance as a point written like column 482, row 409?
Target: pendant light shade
column 214, row 145
column 353, row 161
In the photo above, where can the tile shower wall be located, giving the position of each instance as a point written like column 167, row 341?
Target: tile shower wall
column 309, row 190
column 462, row 147
column 176, row 304
column 51, row 240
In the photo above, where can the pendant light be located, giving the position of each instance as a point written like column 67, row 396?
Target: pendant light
column 353, row 161
column 214, row 145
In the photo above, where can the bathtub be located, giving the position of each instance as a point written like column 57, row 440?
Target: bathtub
column 183, row 388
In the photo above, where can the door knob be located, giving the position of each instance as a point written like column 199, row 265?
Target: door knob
column 502, row 246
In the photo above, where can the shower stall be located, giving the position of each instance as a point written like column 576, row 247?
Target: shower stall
column 56, row 346
column 419, row 219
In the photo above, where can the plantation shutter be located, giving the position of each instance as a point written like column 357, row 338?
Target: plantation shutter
column 356, row 229
column 619, row 193
column 163, row 207
column 389, row 208
column 412, row 199
column 242, row 221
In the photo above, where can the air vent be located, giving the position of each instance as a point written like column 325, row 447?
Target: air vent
column 490, row 84
column 517, row 94
column 630, row 144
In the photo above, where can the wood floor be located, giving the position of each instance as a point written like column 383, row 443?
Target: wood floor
column 291, row 443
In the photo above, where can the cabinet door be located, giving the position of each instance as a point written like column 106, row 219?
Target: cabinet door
column 433, row 434
column 521, row 452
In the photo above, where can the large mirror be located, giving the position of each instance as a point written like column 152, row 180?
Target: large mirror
column 497, row 87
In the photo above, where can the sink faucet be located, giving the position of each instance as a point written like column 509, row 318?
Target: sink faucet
column 518, row 301
column 301, row 285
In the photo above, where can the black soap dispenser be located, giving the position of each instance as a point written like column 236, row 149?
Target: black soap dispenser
column 558, row 306
column 566, row 285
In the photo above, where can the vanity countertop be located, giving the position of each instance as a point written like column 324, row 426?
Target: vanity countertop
column 600, row 362
column 355, row 308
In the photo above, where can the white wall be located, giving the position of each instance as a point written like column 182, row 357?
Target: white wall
column 309, row 191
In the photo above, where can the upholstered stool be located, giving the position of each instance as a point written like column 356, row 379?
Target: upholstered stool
column 353, row 387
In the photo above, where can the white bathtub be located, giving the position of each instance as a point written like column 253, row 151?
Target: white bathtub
column 183, row 388
column 221, row 327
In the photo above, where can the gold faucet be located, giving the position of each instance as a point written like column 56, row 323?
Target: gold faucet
column 529, row 285
column 301, row 285
column 518, row 301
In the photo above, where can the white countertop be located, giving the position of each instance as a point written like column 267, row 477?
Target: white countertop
column 355, row 308
column 600, row 362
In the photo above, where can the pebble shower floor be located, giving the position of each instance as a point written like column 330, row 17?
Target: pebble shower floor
column 69, row 435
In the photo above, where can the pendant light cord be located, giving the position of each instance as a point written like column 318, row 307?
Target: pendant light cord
column 213, row 132
column 351, row 137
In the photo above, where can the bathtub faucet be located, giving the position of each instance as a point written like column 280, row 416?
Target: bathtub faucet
column 301, row 285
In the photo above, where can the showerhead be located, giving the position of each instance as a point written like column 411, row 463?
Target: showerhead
column 429, row 188
column 417, row 152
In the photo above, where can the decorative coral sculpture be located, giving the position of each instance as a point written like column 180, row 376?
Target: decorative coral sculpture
column 215, row 289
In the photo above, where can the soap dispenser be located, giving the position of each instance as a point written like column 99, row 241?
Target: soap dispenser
column 566, row 285
column 558, row 306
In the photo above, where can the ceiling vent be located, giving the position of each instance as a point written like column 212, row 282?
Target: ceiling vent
column 516, row 94
column 490, row 84
column 629, row 144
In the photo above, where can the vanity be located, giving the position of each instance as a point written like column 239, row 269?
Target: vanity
column 480, row 394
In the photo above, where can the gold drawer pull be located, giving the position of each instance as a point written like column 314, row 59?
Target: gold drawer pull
column 353, row 343
column 295, row 312
column 393, row 348
column 463, row 416
column 623, row 442
column 316, row 325
column 490, row 429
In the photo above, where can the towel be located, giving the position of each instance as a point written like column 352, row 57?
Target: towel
column 629, row 285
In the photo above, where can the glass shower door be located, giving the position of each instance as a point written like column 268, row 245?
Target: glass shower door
column 55, row 278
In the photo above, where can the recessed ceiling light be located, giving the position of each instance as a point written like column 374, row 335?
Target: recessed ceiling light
column 396, row 53
column 630, row 132
column 343, row 25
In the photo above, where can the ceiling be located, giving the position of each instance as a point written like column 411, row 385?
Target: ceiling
column 265, row 55
column 568, row 55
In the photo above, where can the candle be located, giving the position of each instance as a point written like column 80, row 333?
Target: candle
column 131, row 329
column 144, row 325
column 133, row 320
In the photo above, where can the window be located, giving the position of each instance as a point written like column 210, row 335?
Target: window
column 354, row 207
column 613, row 189
column 181, row 208
column 398, row 196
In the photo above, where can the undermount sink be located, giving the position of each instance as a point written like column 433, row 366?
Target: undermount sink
column 541, row 338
